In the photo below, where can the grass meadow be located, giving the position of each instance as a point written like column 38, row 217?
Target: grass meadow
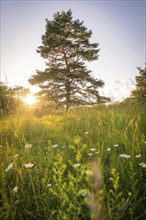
column 89, row 163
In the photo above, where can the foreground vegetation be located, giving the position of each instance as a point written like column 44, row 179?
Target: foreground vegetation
column 85, row 164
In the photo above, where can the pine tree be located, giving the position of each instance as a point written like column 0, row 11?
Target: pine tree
column 66, row 47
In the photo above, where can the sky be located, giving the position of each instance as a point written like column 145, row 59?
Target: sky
column 118, row 26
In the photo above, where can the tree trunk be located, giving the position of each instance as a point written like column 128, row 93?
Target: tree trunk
column 67, row 88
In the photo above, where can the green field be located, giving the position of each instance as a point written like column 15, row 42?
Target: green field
column 89, row 163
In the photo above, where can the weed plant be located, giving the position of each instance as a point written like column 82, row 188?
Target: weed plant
column 89, row 163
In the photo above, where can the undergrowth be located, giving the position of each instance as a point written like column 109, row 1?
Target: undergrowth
column 89, row 163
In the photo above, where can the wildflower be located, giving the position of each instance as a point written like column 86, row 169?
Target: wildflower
column 76, row 165
column 124, row 156
column 28, row 165
column 141, row 164
column 97, row 152
column 92, row 149
column 88, row 172
column 87, row 132
column 138, row 156
column 16, row 155
column 144, row 165
column 9, row 167
column 49, row 184
column 28, row 146
column 90, row 154
column 15, row 190
column 84, row 194
column 109, row 149
column 115, row 145
column 55, row 145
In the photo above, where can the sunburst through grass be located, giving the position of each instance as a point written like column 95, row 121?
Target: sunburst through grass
column 30, row 99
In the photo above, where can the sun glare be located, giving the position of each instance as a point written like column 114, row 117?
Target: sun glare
column 29, row 99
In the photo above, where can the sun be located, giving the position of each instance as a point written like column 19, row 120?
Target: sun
column 29, row 99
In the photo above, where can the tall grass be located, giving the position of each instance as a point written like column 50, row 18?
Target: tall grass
column 88, row 163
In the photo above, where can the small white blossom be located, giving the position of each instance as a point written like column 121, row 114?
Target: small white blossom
column 87, row 132
column 97, row 152
column 88, row 172
column 55, row 145
column 9, row 167
column 115, row 145
column 28, row 165
column 84, row 194
column 76, row 165
column 141, row 164
column 49, row 184
column 15, row 190
column 28, row 146
column 138, row 156
column 124, row 156
column 127, row 156
column 90, row 154
column 92, row 149
column 109, row 149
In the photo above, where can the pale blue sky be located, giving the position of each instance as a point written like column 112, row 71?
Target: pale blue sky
column 118, row 27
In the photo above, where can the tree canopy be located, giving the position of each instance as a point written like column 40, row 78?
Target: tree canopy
column 140, row 92
column 66, row 47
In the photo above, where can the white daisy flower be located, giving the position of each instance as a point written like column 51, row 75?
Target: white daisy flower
column 138, row 156
column 76, row 165
column 144, row 165
column 84, row 194
column 90, row 154
column 28, row 165
column 109, row 149
column 49, row 184
column 55, row 145
column 92, row 149
column 141, row 164
column 97, row 152
column 115, row 145
column 124, row 156
column 28, row 146
column 15, row 190
column 88, row 172
column 87, row 132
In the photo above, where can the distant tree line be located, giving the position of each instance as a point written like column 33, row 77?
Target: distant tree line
column 11, row 98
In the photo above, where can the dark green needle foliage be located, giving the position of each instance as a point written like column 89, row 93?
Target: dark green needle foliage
column 140, row 92
column 66, row 47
